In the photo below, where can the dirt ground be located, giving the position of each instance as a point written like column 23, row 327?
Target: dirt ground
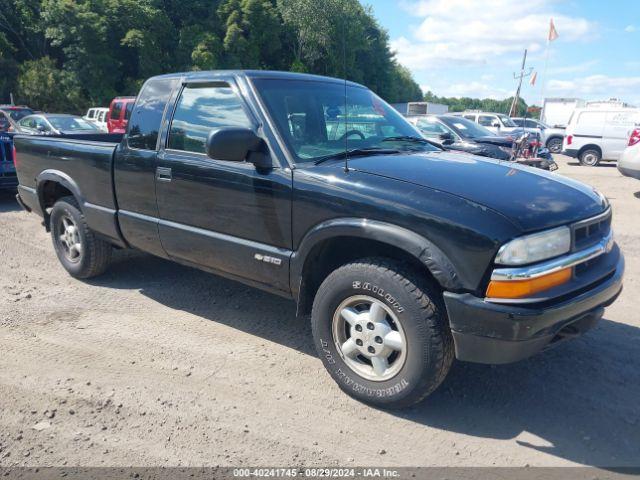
column 159, row 364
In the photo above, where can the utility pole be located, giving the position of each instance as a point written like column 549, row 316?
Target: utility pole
column 519, row 77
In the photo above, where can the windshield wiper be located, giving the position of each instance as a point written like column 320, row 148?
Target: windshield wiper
column 357, row 152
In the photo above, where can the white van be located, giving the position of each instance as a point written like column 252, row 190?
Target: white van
column 98, row 116
column 596, row 134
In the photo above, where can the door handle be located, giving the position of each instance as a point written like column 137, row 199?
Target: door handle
column 163, row 174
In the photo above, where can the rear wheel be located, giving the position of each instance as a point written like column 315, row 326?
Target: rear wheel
column 555, row 145
column 590, row 157
column 81, row 253
column 382, row 333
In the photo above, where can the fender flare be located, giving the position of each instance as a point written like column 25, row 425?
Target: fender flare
column 58, row 177
column 414, row 244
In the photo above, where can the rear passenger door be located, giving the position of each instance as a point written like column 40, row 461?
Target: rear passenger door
column 135, row 166
column 225, row 216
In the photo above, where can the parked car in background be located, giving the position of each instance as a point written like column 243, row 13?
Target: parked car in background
column 10, row 115
column 98, row 116
column 119, row 114
column 409, row 257
column 551, row 137
column 458, row 133
column 55, row 124
column 629, row 163
column 596, row 134
column 495, row 122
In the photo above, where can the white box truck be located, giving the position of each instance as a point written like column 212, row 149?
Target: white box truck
column 556, row 112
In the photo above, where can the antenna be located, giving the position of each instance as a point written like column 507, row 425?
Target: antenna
column 344, row 75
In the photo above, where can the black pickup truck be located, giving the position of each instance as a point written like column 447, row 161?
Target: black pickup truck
column 315, row 189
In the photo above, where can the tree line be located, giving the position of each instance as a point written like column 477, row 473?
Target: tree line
column 67, row 55
column 460, row 104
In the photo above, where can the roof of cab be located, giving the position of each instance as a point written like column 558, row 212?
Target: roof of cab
column 255, row 74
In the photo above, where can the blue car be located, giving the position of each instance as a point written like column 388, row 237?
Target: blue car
column 8, row 178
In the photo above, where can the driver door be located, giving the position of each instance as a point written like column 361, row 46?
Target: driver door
column 228, row 217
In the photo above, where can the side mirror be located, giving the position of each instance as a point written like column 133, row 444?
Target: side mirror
column 236, row 144
column 495, row 124
column 446, row 137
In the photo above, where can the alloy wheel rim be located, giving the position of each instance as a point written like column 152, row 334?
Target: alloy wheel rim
column 69, row 238
column 590, row 159
column 369, row 338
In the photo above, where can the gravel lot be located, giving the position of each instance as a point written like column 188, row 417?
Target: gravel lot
column 159, row 364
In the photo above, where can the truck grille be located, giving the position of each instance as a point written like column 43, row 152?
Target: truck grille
column 591, row 231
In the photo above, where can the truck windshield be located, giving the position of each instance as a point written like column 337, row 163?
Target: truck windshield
column 506, row 121
column 317, row 121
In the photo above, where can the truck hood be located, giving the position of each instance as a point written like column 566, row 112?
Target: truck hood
column 532, row 199
column 493, row 140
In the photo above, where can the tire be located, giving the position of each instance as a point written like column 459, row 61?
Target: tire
column 555, row 145
column 81, row 253
column 407, row 307
column 590, row 157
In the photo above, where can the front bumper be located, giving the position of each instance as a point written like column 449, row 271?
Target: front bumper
column 486, row 332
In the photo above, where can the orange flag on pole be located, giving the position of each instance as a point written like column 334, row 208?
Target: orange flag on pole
column 534, row 77
column 553, row 33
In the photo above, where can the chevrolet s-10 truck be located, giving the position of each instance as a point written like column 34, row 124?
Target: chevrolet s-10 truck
column 317, row 190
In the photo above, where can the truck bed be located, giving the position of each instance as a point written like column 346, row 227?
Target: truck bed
column 71, row 154
column 84, row 160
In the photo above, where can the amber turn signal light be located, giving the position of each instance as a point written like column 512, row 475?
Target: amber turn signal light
column 526, row 288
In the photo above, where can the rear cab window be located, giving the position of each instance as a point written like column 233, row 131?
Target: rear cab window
column 148, row 111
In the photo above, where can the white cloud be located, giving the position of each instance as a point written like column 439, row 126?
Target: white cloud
column 469, row 32
column 630, row 28
column 576, row 68
column 597, row 86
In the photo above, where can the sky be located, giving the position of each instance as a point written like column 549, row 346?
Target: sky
column 474, row 47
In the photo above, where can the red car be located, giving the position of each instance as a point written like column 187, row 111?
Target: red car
column 119, row 113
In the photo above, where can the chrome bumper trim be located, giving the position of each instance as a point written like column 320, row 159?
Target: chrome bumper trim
column 566, row 261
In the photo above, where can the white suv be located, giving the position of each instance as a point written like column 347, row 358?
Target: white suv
column 496, row 122
column 596, row 134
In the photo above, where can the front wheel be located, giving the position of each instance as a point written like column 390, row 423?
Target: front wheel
column 382, row 333
column 81, row 253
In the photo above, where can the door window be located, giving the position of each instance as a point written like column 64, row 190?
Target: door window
column 116, row 111
column 200, row 110
column 470, row 117
column 148, row 112
column 486, row 120
column 431, row 128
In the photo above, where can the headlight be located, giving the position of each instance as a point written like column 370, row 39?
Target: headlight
column 536, row 247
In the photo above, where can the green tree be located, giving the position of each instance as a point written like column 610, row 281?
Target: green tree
column 45, row 87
